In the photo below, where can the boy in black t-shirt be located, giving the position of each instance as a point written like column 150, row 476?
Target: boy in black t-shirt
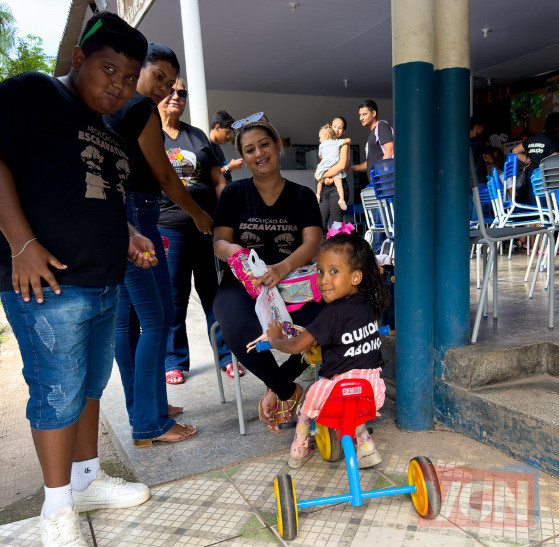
column 65, row 236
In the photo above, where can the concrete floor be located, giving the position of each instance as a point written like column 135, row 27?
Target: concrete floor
column 216, row 488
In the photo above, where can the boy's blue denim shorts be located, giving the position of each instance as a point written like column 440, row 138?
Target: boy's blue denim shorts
column 67, row 345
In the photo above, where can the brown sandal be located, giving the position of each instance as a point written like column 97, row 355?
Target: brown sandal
column 262, row 417
column 286, row 413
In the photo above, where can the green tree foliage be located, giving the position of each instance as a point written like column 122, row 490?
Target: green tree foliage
column 18, row 55
column 526, row 106
column 28, row 55
column 7, row 32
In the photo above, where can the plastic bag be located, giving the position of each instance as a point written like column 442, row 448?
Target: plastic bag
column 269, row 304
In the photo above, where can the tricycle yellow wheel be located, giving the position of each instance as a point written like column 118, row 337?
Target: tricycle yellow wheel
column 286, row 506
column 427, row 498
column 328, row 444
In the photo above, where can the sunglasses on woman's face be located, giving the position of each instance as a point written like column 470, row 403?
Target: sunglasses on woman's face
column 252, row 118
column 181, row 93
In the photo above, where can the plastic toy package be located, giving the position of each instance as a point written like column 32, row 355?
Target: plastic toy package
column 299, row 286
column 240, row 266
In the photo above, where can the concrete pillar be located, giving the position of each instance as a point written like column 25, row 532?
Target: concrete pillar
column 194, row 55
column 452, row 183
column 414, row 125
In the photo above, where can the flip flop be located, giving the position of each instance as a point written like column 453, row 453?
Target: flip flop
column 174, row 377
column 230, row 371
column 190, row 432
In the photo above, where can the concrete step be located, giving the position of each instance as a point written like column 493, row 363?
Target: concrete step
column 519, row 417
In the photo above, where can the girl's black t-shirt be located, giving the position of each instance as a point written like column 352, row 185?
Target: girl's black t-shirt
column 69, row 170
column 347, row 332
column 129, row 122
column 273, row 231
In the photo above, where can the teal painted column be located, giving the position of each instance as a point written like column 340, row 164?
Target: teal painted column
column 414, row 135
column 452, row 188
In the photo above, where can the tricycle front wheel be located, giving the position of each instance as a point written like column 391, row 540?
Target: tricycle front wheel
column 328, row 444
column 427, row 497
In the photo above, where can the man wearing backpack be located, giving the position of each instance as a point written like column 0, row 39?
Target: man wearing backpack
column 380, row 145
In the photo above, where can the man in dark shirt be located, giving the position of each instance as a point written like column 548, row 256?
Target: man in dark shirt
column 380, row 145
column 219, row 133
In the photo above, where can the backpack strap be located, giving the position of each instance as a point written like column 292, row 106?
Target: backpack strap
column 376, row 133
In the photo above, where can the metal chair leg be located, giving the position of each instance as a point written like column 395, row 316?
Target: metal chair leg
column 239, row 395
column 551, row 280
column 538, row 265
column 495, row 288
column 216, row 361
column 483, row 296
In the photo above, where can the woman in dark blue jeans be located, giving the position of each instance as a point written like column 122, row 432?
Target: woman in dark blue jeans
column 190, row 252
column 145, row 308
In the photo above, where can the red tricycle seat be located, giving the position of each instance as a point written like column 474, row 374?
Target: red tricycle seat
column 351, row 403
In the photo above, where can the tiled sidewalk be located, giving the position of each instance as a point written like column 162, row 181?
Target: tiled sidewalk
column 488, row 499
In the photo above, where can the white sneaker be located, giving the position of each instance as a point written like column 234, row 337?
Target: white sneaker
column 110, row 492
column 62, row 528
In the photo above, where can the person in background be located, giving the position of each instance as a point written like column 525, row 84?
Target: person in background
column 145, row 308
column 380, row 145
column 330, row 209
column 219, row 134
column 535, row 148
column 65, row 237
column 190, row 252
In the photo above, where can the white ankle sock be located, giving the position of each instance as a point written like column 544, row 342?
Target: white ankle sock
column 83, row 473
column 56, row 498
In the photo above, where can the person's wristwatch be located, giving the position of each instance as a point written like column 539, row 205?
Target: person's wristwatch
column 226, row 167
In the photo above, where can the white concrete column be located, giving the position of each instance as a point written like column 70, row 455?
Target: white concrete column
column 194, row 55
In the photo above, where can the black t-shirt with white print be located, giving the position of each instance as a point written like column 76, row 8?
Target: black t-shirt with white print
column 273, row 231
column 192, row 156
column 69, row 171
column 538, row 147
column 347, row 332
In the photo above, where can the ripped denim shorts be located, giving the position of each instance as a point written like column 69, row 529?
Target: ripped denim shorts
column 67, row 346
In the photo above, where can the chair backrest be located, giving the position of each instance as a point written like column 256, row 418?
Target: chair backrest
column 382, row 177
column 537, row 183
column 351, row 403
column 549, row 168
column 510, row 168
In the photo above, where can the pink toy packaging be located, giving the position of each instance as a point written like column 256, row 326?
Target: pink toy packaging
column 240, row 266
column 299, row 286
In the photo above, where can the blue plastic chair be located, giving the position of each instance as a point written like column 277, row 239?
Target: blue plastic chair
column 382, row 181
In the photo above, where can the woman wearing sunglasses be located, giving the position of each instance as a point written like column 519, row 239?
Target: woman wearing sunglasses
column 190, row 252
column 145, row 308
column 281, row 221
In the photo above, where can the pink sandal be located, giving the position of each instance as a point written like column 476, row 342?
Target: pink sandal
column 230, row 371
column 174, row 377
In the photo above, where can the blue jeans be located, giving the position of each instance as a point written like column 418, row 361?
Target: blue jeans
column 144, row 316
column 67, row 347
column 191, row 252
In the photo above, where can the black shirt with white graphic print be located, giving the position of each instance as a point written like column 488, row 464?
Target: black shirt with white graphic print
column 373, row 148
column 192, row 156
column 69, row 171
column 347, row 332
column 129, row 122
column 273, row 231
column 538, row 147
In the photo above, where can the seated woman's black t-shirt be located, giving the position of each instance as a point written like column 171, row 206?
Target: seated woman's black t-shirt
column 68, row 170
column 273, row 231
column 129, row 122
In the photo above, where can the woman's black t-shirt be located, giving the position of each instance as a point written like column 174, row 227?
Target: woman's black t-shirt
column 69, row 171
column 192, row 156
column 273, row 231
column 347, row 332
column 129, row 122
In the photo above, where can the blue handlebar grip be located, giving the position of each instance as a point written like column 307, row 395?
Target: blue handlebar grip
column 384, row 330
column 263, row 346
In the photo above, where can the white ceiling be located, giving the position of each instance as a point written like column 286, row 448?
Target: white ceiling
column 260, row 45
